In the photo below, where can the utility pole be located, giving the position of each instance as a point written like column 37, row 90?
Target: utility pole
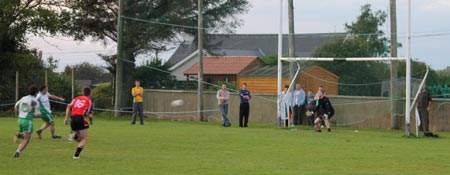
column 291, row 41
column 17, row 89
column 119, row 62
column 73, row 82
column 200, row 60
column 393, row 84
column 46, row 77
column 17, row 85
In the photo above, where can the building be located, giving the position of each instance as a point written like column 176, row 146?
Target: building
column 259, row 45
column 222, row 68
column 263, row 79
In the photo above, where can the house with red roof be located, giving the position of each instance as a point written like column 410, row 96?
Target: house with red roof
column 222, row 68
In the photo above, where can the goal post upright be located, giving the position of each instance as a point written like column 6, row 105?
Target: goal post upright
column 408, row 75
column 280, row 67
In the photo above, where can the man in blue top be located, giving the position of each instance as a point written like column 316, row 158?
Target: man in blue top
column 299, row 104
column 244, row 107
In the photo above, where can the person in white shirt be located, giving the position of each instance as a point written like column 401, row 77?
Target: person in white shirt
column 222, row 100
column 28, row 108
column 46, row 113
column 285, row 105
column 299, row 104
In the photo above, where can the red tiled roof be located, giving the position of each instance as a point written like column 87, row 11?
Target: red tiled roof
column 230, row 65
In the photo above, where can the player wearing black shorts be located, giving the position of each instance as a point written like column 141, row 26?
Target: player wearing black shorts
column 81, row 108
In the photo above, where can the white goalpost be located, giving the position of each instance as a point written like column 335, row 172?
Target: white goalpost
column 297, row 59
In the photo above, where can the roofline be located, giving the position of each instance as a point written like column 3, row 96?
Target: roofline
column 256, row 58
column 184, row 60
column 320, row 67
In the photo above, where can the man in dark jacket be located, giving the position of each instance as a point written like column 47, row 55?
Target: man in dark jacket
column 424, row 105
column 324, row 105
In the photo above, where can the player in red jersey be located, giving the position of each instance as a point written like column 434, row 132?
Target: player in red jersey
column 81, row 108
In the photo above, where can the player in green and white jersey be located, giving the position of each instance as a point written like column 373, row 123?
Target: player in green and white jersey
column 46, row 114
column 27, row 107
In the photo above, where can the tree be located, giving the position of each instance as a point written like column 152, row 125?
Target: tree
column 364, row 39
column 88, row 71
column 366, row 27
column 17, row 19
column 155, row 74
column 148, row 25
column 111, row 66
column 101, row 96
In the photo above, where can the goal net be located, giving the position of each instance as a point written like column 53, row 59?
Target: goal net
column 355, row 111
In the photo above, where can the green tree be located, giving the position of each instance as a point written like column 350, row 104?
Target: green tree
column 101, row 96
column 17, row 19
column 364, row 39
column 88, row 71
column 155, row 74
column 143, row 30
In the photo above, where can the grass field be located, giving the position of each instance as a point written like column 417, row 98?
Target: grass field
column 164, row 147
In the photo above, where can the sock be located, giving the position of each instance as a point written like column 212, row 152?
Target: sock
column 77, row 154
column 18, row 151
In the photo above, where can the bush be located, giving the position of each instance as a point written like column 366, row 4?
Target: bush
column 102, row 96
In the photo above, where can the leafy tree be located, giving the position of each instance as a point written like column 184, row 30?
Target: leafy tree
column 143, row 29
column 88, row 71
column 17, row 19
column 155, row 74
column 101, row 96
column 366, row 27
column 364, row 39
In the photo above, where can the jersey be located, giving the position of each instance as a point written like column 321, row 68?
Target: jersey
column 137, row 98
column 242, row 93
column 44, row 101
column 81, row 105
column 28, row 107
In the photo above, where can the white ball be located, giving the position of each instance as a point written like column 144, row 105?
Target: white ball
column 176, row 103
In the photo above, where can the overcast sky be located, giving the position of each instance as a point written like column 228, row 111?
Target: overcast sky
column 430, row 28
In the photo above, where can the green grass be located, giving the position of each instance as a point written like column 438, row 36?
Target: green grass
column 164, row 147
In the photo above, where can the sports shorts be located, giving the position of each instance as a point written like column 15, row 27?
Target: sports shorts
column 79, row 123
column 25, row 125
column 47, row 116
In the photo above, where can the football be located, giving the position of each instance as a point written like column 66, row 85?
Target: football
column 177, row 103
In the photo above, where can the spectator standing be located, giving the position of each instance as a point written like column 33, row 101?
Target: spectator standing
column 222, row 99
column 299, row 104
column 244, row 107
column 138, row 108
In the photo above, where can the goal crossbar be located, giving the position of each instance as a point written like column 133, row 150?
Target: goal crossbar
column 293, row 59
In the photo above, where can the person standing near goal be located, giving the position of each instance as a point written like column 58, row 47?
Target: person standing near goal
column 81, row 108
column 138, row 108
column 299, row 102
column 285, row 105
column 222, row 99
column 324, row 105
column 28, row 108
column 46, row 114
column 244, row 107
column 423, row 104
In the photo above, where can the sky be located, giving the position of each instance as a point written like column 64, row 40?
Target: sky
column 430, row 28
